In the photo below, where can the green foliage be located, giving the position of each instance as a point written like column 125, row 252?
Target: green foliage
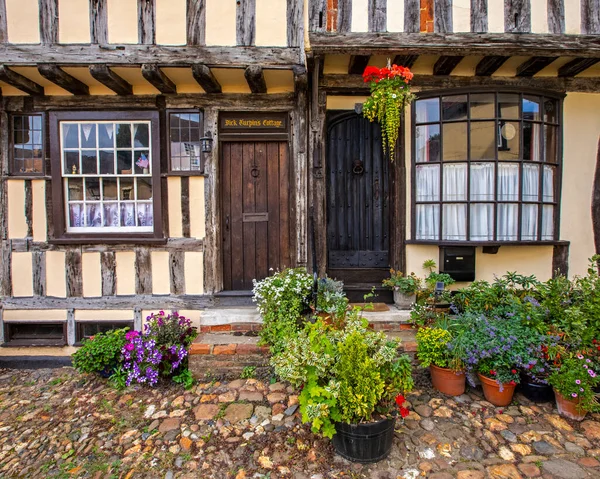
column 102, row 352
column 432, row 347
column 281, row 299
column 331, row 298
column 184, row 378
column 170, row 329
column 405, row 284
column 118, row 378
column 576, row 380
column 248, row 372
column 430, row 265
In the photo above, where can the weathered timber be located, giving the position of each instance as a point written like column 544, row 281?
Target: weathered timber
column 295, row 23
column 196, row 22
column 556, row 16
column 357, row 43
column 73, row 273
column 255, row 78
column 39, row 273
column 576, row 66
column 61, row 78
column 596, row 203
column 3, row 28
column 442, row 16
column 377, row 15
column 99, row 21
column 590, row 16
column 111, row 302
column 108, row 267
column 177, row 273
column 132, row 55
column 213, row 271
column 146, row 22
column 49, row 216
column 185, row 206
column 48, row 21
column 358, row 63
column 172, row 244
column 111, row 80
column 487, row 66
column 6, row 270
column 405, row 60
column 29, row 208
column 71, row 328
column 160, row 81
column 533, row 65
column 300, row 155
column 560, row 260
column 317, row 20
column 205, row 78
column 445, row 64
column 143, row 271
column 344, row 16
column 412, row 16
column 479, row 16
column 245, row 31
column 19, row 81
column 517, row 16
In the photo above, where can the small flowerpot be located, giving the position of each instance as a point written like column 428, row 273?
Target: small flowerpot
column 492, row 393
column 569, row 408
column 535, row 391
column 404, row 301
column 447, row 381
column 367, row 442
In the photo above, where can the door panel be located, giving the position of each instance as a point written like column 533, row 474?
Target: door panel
column 255, row 220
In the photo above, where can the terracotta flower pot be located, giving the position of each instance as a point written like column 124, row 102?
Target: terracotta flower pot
column 569, row 408
column 492, row 393
column 447, row 381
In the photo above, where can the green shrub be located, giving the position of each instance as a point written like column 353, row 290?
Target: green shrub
column 102, row 352
column 331, row 298
column 432, row 347
column 405, row 284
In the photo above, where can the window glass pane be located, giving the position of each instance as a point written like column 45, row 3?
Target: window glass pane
column 128, row 214
column 508, row 182
column 532, row 142
column 454, row 225
column 141, row 135
column 548, row 186
column 508, row 106
column 531, row 108
column 454, row 107
column 508, row 140
column 174, row 120
column 92, row 189
column 551, row 136
column 427, row 143
column 93, row 213
column 106, row 137
column 427, row 222
column 529, row 222
column 455, row 141
column 76, row 215
column 75, row 189
column 89, row 162
column 550, row 110
column 144, row 214
column 507, row 222
column 482, row 222
column 107, row 162
column 111, row 214
column 482, row 182
column 126, row 189
column 483, row 139
column 124, row 135
column 70, row 138
column 110, row 190
column 428, row 183
column 142, row 162
column 455, row 182
column 72, row 163
column 427, row 110
column 547, row 222
column 88, row 135
column 482, row 105
column 531, row 182
column 144, row 188
column 124, row 162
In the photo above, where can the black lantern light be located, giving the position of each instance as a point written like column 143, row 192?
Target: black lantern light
column 206, row 142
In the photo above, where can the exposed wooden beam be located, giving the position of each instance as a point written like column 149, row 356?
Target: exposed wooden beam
column 160, row 81
column 344, row 15
column 206, row 79
column 19, row 81
column 99, row 21
column 445, row 64
column 61, row 78
column 590, row 16
column 196, row 22
column 295, row 24
column 556, row 16
column 533, row 66
column 377, row 21
column 3, row 28
column 48, row 10
column 517, row 16
column 245, row 22
column 317, row 15
column 412, row 16
column 487, row 66
column 358, row 63
column 256, row 79
column 146, row 22
column 111, row 80
column 479, row 16
column 442, row 16
column 576, row 66
column 405, row 60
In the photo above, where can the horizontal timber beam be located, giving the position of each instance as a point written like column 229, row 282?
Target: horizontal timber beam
column 111, row 80
column 526, row 44
column 19, row 81
column 131, row 55
column 61, row 78
column 110, row 302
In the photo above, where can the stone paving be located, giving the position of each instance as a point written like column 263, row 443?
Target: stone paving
column 57, row 423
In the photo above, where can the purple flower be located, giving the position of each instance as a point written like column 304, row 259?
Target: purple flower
column 574, row 395
column 131, row 335
column 129, row 346
column 591, row 373
column 578, row 381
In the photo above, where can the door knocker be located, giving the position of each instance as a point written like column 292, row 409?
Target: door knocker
column 254, row 172
column 358, row 167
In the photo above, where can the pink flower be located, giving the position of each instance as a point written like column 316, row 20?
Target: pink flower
column 577, row 381
column 131, row 334
column 574, row 395
column 129, row 346
column 591, row 373
column 581, row 389
column 579, row 356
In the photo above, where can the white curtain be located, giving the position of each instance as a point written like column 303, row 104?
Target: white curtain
column 482, row 222
column 531, row 182
column 428, row 183
column 548, row 222
column 529, row 222
column 454, row 226
column 127, row 214
column 455, row 182
column 422, row 143
column 93, row 215
column 507, row 222
column 508, row 182
column 111, row 214
column 76, row 215
column 482, row 182
column 144, row 213
column 548, row 184
column 534, row 149
column 428, row 222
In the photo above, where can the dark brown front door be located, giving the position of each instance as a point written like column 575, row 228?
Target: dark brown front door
column 255, row 211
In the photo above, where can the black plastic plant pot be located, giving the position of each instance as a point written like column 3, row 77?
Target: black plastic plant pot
column 534, row 391
column 370, row 442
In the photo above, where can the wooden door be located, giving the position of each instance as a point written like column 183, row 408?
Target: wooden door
column 255, row 211
column 357, row 194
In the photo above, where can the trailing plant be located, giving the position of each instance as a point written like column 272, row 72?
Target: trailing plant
column 390, row 94
column 100, row 353
column 405, row 284
column 281, row 300
column 576, row 379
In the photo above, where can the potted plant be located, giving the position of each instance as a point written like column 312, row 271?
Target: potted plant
column 574, row 382
column 404, row 287
column 445, row 366
column 352, row 382
column 331, row 301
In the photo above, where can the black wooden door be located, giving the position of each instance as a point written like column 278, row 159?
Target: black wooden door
column 255, row 211
column 357, row 194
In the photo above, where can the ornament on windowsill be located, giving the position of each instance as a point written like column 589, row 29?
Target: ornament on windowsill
column 390, row 94
column 143, row 163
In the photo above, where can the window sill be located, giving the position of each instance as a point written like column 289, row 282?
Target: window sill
column 125, row 239
column 34, row 343
column 489, row 243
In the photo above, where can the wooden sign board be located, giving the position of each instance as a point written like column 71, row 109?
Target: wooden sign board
column 253, row 123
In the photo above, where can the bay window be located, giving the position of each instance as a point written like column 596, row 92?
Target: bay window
column 486, row 167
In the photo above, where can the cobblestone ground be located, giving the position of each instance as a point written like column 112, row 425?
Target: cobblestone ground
column 57, row 423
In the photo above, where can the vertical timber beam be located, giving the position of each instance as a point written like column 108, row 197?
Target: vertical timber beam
column 74, row 273
column 246, row 22
column 143, row 271
column 556, row 16
column 412, row 16
column 299, row 139
column 176, row 272
column 3, row 29
column 213, row 271
column 596, row 203
column 377, row 15
column 517, row 16
column 317, row 21
column 590, row 17
column 344, row 24
column 99, row 21
column 479, row 17
column 196, row 22
column 5, row 263
column 295, row 23
column 185, row 206
column 48, row 21
column 442, row 16
column 108, row 268
column 39, row 273
column 146, row 22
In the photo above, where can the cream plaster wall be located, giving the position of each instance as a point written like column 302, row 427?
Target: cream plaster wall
column 580, row 147
column 539, row 16
column 91, row 274
column 74, row 21
column 197, row 208
column 360, row 17
column 122, row 21
column 17, row 223
column 461, row 15
column 38, row 188
column 232, row 80
column 22, row 274
column 171, row 22
column 395, row 16
column 192, row 314
column 495, row 16
column 56, row 280
column 220, row 22
column 279, row 81
column 125, row 272
column 35, row 315
column 271, row 23
column 174, row 196
column 344, row 102
column 194, row 272
column 23, row 21
column 573, row 16
column 161, row 276
column 103, row 315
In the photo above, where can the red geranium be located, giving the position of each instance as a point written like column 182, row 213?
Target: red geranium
column 400, row 400
column 374, row 74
